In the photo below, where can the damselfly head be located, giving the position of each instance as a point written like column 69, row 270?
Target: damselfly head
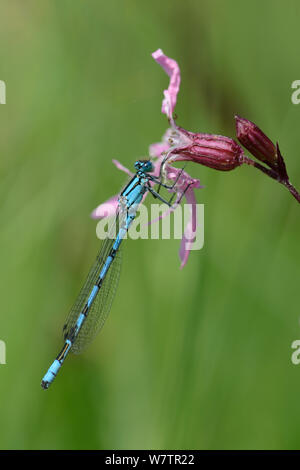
column 144, row 165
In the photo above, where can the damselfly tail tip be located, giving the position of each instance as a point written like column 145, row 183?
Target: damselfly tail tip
column 45, row 384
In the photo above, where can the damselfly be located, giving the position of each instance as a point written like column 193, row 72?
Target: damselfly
column 93, row 304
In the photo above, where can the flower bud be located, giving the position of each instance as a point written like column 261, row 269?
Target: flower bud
column 254, row 140
column 214, row 151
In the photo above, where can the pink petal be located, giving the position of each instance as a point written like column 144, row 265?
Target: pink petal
column 106, row 209
column 171, row 67
column 184, row 178
column 162, row 216
column 122, row 168
column 155, row 150
column 190, row 229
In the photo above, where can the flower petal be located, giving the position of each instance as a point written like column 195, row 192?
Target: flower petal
column 155, row 150
column 190, row 229
column 161, row 216
column 171, row 67
column 183, row 178
column 106, row 209
column 122, row 168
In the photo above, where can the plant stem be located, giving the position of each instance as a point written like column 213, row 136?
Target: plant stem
column 292, row 190
column 262, row 168
column 273, row 175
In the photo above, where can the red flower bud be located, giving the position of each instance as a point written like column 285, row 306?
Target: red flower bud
column 254, row 140
column 214, row 151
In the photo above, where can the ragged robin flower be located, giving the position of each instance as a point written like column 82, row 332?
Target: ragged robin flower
column 211, row 150
column 216, row 151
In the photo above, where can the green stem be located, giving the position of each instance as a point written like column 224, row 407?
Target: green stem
column 273, row 175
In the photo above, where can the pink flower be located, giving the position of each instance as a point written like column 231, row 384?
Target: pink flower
column 172, row 69
column 158, row 153
column 254, row 140
column 257, row 143
column 215, row 151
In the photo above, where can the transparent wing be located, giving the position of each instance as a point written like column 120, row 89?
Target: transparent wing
column 100, row 308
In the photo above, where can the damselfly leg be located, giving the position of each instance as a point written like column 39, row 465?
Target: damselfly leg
column 170, row 187
column 169, row 202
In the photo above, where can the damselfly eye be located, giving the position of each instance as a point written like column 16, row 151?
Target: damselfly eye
column 148, row 166
column 145, row 165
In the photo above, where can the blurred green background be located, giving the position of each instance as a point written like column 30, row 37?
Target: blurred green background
column 191, row 359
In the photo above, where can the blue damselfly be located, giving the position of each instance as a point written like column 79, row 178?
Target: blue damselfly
column 93, row 304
